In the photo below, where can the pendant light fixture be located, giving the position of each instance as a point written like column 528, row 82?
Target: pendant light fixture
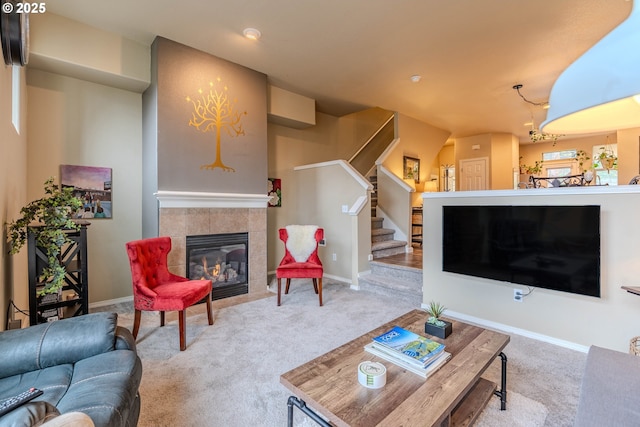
column 600, row 90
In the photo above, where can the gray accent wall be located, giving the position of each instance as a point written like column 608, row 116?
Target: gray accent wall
column 180, row 157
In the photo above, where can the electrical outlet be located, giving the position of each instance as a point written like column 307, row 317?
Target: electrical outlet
column 345, row 208
column 517, row 295
column 335, row 257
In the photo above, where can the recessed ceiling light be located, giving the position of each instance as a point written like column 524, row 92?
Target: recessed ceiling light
column 416, row 78
column 252, row 33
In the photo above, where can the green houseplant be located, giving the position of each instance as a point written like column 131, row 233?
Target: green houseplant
column 434, row 325
column 607, row 159
column 535, row 169
column 582, row 157
column 47, row 218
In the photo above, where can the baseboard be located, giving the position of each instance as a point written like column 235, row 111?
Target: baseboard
column 272, row 274
column 513, row 330
column 110, row 301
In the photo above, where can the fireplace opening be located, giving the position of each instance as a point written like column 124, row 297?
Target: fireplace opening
column 221, row 258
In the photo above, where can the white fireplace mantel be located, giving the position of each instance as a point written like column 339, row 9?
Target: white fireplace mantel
column 188, row 199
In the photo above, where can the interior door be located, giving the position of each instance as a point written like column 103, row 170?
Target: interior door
column 473, row 174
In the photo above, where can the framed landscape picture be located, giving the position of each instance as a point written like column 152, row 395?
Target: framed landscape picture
column 92, row 185
column 411, row 168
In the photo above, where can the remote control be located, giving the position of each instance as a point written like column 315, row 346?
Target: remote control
column 20, row 399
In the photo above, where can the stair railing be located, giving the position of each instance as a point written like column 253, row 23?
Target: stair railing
column 364, row 158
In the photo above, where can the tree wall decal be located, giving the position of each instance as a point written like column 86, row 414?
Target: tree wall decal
column 215, row 111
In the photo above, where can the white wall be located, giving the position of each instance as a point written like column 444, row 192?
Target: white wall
column 610, row 321
column 76, row 122
column 13, row 171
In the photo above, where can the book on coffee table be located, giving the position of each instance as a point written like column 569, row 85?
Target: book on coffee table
column 409, row 346
column 424, row 372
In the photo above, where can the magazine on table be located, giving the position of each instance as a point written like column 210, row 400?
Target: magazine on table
column 424, row 372
column 409, row 345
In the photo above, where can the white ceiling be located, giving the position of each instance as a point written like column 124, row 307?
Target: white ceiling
column 353, row 54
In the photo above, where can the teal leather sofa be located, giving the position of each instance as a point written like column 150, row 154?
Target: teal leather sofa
column 83, row 364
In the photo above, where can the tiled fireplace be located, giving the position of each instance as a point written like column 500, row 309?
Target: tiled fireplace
column 185, row 214
column 221, row 258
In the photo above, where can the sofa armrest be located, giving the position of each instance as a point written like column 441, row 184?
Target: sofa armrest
column 56, row 343
column 124, row 339
column 610, row 390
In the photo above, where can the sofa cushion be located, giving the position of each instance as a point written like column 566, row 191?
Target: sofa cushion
column 53, row 381
column 610, row 391
column 56, row 343
column 103, row 387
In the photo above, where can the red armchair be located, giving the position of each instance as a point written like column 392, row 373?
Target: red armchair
column 157, row 289
column 301, row 256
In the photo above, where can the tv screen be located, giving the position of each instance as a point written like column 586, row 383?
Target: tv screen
column 553, row 247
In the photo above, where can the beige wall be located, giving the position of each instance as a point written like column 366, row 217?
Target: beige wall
column 322, row 190
column 288, row 148
column 76, row 122
column 504, row 160
column 610, row 321
column 13, row 188
column 419, row 140
column 500, row 148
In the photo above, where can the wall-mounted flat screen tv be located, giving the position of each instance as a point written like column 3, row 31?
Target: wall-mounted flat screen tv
column 553, row 247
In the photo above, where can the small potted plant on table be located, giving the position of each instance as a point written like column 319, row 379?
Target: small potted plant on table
column 434, row 325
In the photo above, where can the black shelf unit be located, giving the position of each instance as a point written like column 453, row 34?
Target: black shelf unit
column 73, row 299
column 416, row 225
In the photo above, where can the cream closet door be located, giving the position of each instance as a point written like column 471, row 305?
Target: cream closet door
column 473, row 174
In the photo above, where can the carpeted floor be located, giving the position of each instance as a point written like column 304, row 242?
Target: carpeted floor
column 230, row 373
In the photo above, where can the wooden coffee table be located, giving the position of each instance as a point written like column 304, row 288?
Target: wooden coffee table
column 453, row 396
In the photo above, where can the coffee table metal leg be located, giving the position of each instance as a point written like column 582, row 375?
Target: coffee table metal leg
column 304, row 408
column 502, row 393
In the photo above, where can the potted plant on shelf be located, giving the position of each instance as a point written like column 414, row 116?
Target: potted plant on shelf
column 48, row 218
column 434, row 325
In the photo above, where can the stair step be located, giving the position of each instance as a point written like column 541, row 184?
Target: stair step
column 395, row 271
column 376, row 222
column 381, row 234
column 387, row 248
column 396, row 289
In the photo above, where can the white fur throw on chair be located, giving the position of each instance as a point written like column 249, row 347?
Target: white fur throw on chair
column 301, row 241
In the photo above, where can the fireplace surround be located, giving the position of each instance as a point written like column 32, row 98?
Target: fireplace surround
column 197, row 214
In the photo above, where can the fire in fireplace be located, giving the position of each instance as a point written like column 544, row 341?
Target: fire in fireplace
column 221, row 258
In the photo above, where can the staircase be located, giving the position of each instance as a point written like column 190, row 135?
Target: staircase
column 386, row 278
column 382, row 242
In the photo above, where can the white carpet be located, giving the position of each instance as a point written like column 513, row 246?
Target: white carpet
column 230, row 373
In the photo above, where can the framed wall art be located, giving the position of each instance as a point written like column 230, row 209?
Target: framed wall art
column 92, row 185
column 274, row 191
column 411, row 168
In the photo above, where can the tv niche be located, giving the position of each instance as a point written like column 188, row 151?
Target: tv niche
column 552, row 247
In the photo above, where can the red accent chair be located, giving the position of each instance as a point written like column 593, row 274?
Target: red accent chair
column 301, row 257
column 157, row 289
